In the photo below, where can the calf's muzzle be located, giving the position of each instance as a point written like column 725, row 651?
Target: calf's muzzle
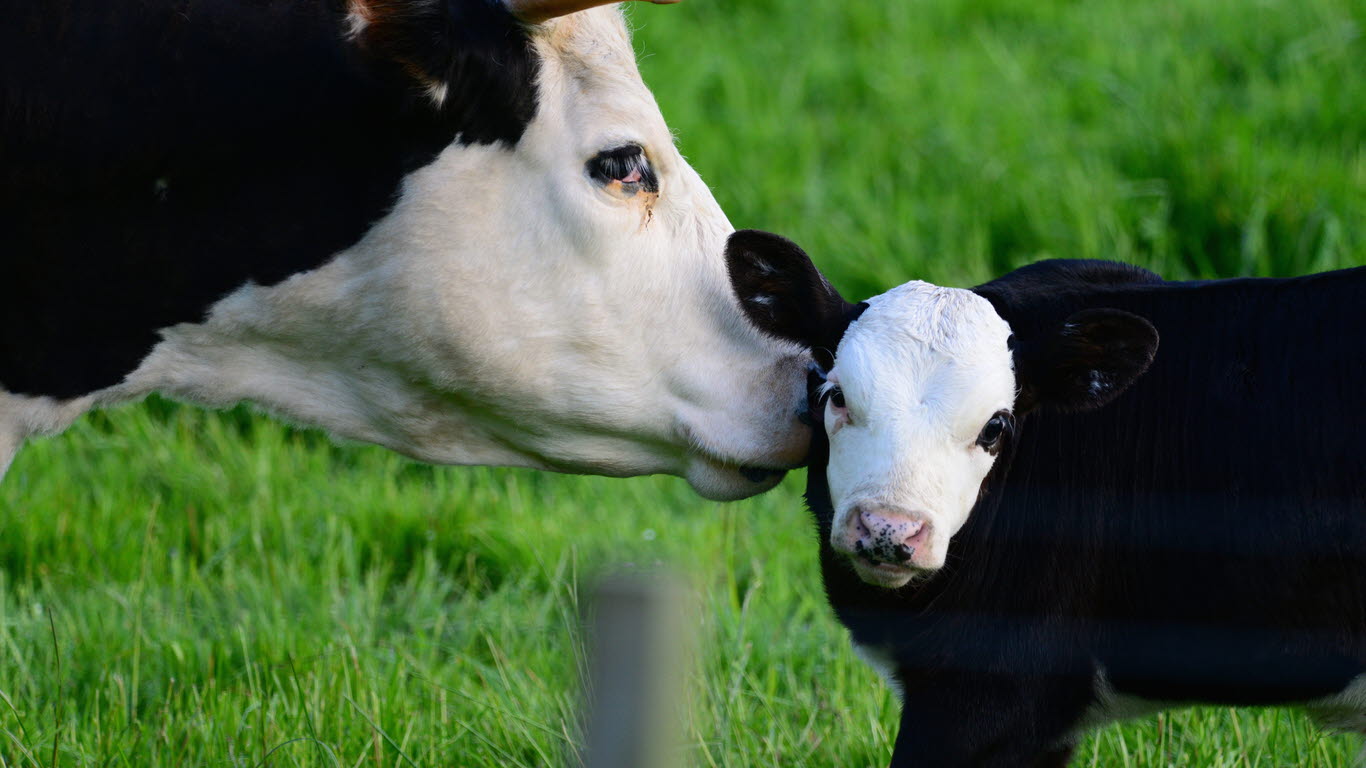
column 882, row 535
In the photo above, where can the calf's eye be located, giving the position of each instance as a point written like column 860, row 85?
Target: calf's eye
column 1000, row 424
column 626, row 166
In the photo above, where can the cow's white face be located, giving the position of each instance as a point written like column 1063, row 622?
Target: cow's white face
column 576, row 285
column 916, row 406
column 562, row 304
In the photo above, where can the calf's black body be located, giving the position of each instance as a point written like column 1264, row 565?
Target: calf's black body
column 1202, row 538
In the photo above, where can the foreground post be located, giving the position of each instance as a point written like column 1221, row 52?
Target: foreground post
column 636, row 699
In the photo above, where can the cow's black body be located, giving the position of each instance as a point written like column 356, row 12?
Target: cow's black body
column 157, row 154
column 1200, row 539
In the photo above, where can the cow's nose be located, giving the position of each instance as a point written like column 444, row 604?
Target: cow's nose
column 886, row 534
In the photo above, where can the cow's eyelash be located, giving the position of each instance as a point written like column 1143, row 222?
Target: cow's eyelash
column 824, row 391
column 830, row 392
column 626, row 165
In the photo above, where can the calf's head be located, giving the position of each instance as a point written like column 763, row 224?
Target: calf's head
column 922, row 387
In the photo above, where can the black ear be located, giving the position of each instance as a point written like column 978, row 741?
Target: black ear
column 473, row 64
column 1089, row 361
column 784, row 294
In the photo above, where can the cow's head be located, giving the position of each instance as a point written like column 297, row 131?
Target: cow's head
column 922, row 393
column 552, row 287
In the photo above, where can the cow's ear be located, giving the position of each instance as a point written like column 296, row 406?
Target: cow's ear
column 472, row 63
column 1085, row 364
column 784, row 294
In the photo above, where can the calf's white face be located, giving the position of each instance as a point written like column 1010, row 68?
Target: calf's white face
column 920, row 393
column 915, row 407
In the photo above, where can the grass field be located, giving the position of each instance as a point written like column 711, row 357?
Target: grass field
column 187, row 588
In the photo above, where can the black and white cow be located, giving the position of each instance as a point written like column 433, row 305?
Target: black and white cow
column 1148, row 528
column 455, row 228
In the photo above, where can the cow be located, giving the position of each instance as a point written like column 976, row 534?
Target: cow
column 1033, row 521
column 459, row 229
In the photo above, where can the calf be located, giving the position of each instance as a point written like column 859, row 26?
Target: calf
column 1033, row 522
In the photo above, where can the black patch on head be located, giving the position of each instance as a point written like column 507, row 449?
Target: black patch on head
column 475, row 49
column 784, row 294
column 157, row 155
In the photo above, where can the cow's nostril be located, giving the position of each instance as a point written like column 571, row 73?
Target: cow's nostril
column 902, row 553
column 760, row 474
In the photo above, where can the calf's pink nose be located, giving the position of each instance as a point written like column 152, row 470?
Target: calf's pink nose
column 887, row 535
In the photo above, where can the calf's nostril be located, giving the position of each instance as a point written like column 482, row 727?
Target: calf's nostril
column 861, row 531
column 883, row 535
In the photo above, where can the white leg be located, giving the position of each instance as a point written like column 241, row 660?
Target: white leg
column 22, row 416
column 1344, row 712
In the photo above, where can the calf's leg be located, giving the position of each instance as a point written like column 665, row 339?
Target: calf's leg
column 951, row 719
column 1056, row 758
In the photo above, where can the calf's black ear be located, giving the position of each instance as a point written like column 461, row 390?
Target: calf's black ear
column 1085, row 364
column 784, row 294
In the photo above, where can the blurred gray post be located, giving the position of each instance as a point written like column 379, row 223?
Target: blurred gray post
column 636, row 702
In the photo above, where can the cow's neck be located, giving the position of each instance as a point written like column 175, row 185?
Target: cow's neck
column 310, row 351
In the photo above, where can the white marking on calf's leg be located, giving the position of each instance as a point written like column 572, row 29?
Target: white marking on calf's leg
column 880, row 659
column 1113, row 706
column 1344, row 711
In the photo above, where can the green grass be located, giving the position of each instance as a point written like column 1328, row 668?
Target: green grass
column 187, row 588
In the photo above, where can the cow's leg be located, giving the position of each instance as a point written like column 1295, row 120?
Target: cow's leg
column 971, row 719
column 22, row 416
column 12, row 430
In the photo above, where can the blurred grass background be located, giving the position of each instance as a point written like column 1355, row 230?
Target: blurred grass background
column 188, row 588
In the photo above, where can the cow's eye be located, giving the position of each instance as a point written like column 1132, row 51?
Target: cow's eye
column 997, row 427
column 626, row 166
column 836, row 397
